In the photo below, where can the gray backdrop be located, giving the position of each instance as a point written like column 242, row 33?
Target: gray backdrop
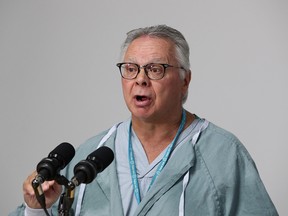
column 59, row 82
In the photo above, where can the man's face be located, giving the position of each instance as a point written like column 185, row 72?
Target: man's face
column 154, row 99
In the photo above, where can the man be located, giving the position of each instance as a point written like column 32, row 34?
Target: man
column 168, row 161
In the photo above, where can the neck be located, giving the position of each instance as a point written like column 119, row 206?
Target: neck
column 155, row 137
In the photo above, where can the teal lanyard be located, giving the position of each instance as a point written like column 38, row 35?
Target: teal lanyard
column 160, row 167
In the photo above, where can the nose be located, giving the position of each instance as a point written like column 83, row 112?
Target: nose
column 142, row 78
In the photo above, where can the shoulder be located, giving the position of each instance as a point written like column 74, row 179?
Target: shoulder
column 91, row 143
column 219, row 133
column 83, row 150
column 216, row 138
column 232, row 172
column 220, row 149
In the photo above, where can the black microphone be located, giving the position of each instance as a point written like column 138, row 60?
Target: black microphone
column 49, row 167
column 86, row 170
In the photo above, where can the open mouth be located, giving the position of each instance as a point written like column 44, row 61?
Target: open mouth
column 141, row 98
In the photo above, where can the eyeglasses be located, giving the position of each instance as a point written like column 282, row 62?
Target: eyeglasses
column 154, row 71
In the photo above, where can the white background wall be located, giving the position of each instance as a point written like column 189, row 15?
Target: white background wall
column 59, row 82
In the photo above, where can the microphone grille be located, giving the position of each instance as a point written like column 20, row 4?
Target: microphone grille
column 64, row 152
column 104, row 155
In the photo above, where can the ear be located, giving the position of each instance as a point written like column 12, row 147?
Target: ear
column 186, row 81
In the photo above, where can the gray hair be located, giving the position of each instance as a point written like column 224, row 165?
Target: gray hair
column 165, row 32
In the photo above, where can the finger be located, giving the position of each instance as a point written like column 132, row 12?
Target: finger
column 27, row 184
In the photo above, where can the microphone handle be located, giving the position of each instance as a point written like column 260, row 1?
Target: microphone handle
column 40, row 196
column 66, row 200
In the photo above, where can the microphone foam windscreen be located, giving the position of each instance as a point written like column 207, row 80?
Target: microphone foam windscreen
column 104, row 155
column 64, row 152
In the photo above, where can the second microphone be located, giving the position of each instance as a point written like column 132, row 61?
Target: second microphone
column 86, row 170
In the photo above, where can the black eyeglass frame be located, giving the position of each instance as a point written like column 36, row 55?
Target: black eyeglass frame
column 119, row 65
